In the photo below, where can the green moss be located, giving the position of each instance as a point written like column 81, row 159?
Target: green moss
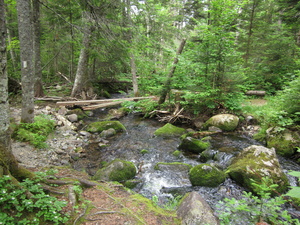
column 104, row 125
column 283, row 147
column 35, row 133
column 169, row 130
column 131, row 183
column 117, row 170
column 206, row 175
column 176, row 153
column 144, row 151
column 193, row 145
column 246, row 168
column 166, row 216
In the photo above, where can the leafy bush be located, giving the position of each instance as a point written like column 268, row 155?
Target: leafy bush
column 37, row 132
column 143, row 106
column 254, row 208
column 20, row 207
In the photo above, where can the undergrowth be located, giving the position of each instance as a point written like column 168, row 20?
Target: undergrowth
column 27, row 203
column 35, row 133
column 255, row 208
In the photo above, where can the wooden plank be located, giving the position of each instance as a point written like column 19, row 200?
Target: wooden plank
column 89, row 102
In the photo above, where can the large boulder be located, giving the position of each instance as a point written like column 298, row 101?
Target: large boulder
column 105, row 125
column 117, row 170
column 193, row 145
column 206, row 175
column 284, row 142
column 254, row 163
column 169, row 130
column 193, row 210
column 226, row 122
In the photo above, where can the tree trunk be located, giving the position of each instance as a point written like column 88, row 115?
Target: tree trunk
column 38, row 86
column 167, row 86
column 82, row 67
column 134, row 77
column 27, row 60
column 8, row 163
column 250, row 31
column 128, row 21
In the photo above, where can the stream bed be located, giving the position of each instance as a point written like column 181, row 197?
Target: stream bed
column 141, row 147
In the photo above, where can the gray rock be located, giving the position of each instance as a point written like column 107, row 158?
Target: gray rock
column 194, row 210
column 226, row 122
column 108, row 133
column 72, row 118
column 255, row 162
column 84, row 133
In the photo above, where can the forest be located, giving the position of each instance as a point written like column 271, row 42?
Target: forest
column 191, row 58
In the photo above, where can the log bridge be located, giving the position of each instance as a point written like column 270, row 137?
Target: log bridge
column 102, row 103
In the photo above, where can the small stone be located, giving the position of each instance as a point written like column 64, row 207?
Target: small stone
column 72, row 118
column 62, row 111
column 60, row 152
column 64, row 162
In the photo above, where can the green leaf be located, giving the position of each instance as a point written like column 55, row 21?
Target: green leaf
column 294, row 192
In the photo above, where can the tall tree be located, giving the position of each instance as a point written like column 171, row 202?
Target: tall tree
column 82, row 77
column 38, row 86
column 167, row 87
column 27, row 59
column 8, row 163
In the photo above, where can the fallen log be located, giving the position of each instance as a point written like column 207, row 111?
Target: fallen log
column 91, row 107
column 89, row 102
column 258, row 93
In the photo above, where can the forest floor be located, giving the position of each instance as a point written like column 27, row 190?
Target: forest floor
column 105, row 203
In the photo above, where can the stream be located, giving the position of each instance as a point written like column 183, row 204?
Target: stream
column 167, row 183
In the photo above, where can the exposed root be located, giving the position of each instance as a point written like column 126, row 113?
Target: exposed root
column 176, row 116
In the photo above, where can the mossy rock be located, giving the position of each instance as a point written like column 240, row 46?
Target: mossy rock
column 117, row 170
column 226, row 122
column 206, row 175
column 176, row 153
column 256, row 162
column 105, row 125
column 131, row 183
column 208, row 154
column 79, row 112
column 169, row 130
column 193, row 145
column 284, row 142
column 108, row 133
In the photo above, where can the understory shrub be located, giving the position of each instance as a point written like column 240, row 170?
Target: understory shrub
column 35, row 133
column 255, row 208
column 27, row 203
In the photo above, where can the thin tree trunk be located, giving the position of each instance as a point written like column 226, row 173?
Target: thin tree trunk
column 27, row 59
column 167, row 85
column 134, row 77
column 38, row 86
column 128, row 21
column 81, row 72
column 250, row 31
column 11, row 51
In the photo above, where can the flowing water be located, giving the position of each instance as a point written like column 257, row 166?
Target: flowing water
column 169, row 180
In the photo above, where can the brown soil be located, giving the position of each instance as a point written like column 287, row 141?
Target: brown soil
column 110, row 203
